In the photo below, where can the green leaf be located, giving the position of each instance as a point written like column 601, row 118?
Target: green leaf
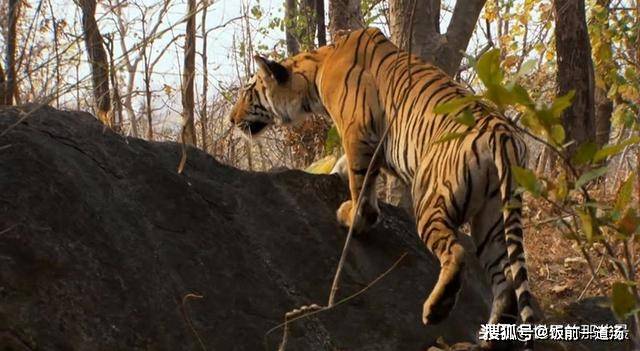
column 545, row 117
column 586, row 223
column 531, row 121
column 557, row 133
column 585, row 153
column 589, row 176
column 521, row 96
column 527, row 179
column 623, row 302
column 623, row 116
column 333, row 140
column 495, row 94
column 489, row 69
column 624, row 194
column 466, row 118
column 561, row 103
column 526, row 67
column 614, row 149
column 559, row 188
column 451, row 136
column 455, row 104
column 611, row 94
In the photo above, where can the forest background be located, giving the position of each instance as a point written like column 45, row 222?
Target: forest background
column 567, row 72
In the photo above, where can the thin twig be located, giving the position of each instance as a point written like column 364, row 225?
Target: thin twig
column 340, row 302
column 8, row 229
column 593, row 277
column 546, row 221
column 358, row 204
column 187, row 319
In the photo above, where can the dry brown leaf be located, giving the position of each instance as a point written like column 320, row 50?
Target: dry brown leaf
column 559, row 289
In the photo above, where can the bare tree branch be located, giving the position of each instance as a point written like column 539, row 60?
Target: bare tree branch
column 188, row 128
column 459, row 32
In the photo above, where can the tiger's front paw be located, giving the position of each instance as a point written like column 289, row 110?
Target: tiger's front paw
column 344, row 214
column 368, row 216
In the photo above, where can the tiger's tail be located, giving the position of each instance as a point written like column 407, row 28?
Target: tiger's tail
column 508, row 152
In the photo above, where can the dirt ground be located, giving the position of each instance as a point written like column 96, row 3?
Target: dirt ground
column 559, row 273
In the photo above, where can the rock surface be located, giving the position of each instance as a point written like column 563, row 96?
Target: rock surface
column 101, row 241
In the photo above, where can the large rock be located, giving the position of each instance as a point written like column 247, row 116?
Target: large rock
column 101, row 239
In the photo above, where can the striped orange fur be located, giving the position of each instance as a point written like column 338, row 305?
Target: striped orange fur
column 365, row 84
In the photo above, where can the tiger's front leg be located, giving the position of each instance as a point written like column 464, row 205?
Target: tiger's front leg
column 359, row 156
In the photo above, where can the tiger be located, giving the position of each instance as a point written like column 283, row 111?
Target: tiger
column 376, row 93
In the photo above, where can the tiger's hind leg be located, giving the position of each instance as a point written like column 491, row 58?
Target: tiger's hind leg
column 438, row 231
column 487, row 230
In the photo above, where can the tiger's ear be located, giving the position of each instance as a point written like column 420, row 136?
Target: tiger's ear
column 272, row 69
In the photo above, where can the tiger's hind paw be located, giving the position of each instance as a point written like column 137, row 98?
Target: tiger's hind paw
column 443, row 297
column 436, row 312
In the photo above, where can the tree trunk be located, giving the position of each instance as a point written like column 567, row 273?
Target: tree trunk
column 78, row 63
column 603, row 105
column 344, row 15
column 188, row 128
column 205, row 79
column 116, row 101
column 423, row 16
column 10, row 54
column 2, row 80
column 123, row 31
column 147, row 91
column 418, row 21
column 322, row 30
column 575, row 71
column 56, row 45
column 290, row 14
column 307, row 24
column 98, row 60
column 398, row 193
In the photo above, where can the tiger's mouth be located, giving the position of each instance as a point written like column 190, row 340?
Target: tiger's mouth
column 253, row 127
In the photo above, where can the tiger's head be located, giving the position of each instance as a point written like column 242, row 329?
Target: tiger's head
column 274, row 95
